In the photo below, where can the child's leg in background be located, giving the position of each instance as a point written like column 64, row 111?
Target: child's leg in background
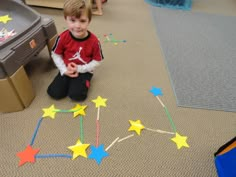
column 99, row 8
column 79, row 86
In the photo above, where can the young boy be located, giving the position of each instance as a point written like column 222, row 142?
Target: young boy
column 76, row 53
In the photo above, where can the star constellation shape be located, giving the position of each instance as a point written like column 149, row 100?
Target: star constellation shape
column 180, row 141
column 136, row 126
column 49, row 112
column 79, row 149
column 28, row 155
column 100, row 102
column 156, row 91
column 5, row 34
column 78, row 110
column 110, row 38
column 4, row 19
column 98, row 153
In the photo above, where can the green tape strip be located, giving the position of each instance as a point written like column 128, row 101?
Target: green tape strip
column 170, row 119
column 81, row 130
column 65, row 110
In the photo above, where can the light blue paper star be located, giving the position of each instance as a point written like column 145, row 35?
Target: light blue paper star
column 156, row 91
column 98, row 153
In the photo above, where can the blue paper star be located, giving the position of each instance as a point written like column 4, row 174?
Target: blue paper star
column 156, row 91
column 98, row 153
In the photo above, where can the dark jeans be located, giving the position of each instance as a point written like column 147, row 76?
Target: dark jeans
column 74, row 88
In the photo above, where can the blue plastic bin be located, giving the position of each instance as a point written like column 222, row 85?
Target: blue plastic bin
column 173, row 4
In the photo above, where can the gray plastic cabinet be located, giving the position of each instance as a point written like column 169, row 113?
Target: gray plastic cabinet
column 33, row 33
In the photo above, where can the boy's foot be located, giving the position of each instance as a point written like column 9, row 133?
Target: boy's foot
column 94, row 6
column 97, row 13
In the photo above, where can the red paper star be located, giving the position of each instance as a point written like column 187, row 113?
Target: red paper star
column 28, row 155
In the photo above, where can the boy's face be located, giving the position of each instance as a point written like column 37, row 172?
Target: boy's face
column 78, row 26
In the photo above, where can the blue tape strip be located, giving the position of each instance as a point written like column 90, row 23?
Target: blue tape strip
column 36, row 131
column 53, row 156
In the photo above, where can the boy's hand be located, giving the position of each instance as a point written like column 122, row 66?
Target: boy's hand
column 71, row 74
column 72, row 70
column 72, row 67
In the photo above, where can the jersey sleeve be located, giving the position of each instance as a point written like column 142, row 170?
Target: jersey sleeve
column 58, row 46
column 97, row 51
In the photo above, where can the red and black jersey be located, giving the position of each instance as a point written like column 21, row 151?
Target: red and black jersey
column 79, row 51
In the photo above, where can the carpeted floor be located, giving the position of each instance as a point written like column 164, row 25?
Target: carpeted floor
column 199, row 50
column 128, row 73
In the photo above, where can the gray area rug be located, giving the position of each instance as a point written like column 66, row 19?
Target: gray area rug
column 200, row 53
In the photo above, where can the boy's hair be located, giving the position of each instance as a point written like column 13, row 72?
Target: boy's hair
column 77, row 8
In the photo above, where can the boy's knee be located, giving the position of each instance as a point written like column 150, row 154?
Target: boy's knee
column 78, row 97
column 55, row 95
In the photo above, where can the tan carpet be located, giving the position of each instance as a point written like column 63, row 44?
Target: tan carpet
column 125, row 78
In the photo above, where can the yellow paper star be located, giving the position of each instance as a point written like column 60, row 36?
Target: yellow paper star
column 79, row 110
column 79, row 149
column 136, row 126
column 49, row 112
column 100, row 102
column 5, row 19
column 180, row 141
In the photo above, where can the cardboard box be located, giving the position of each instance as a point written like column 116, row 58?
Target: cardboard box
column 16, row 92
